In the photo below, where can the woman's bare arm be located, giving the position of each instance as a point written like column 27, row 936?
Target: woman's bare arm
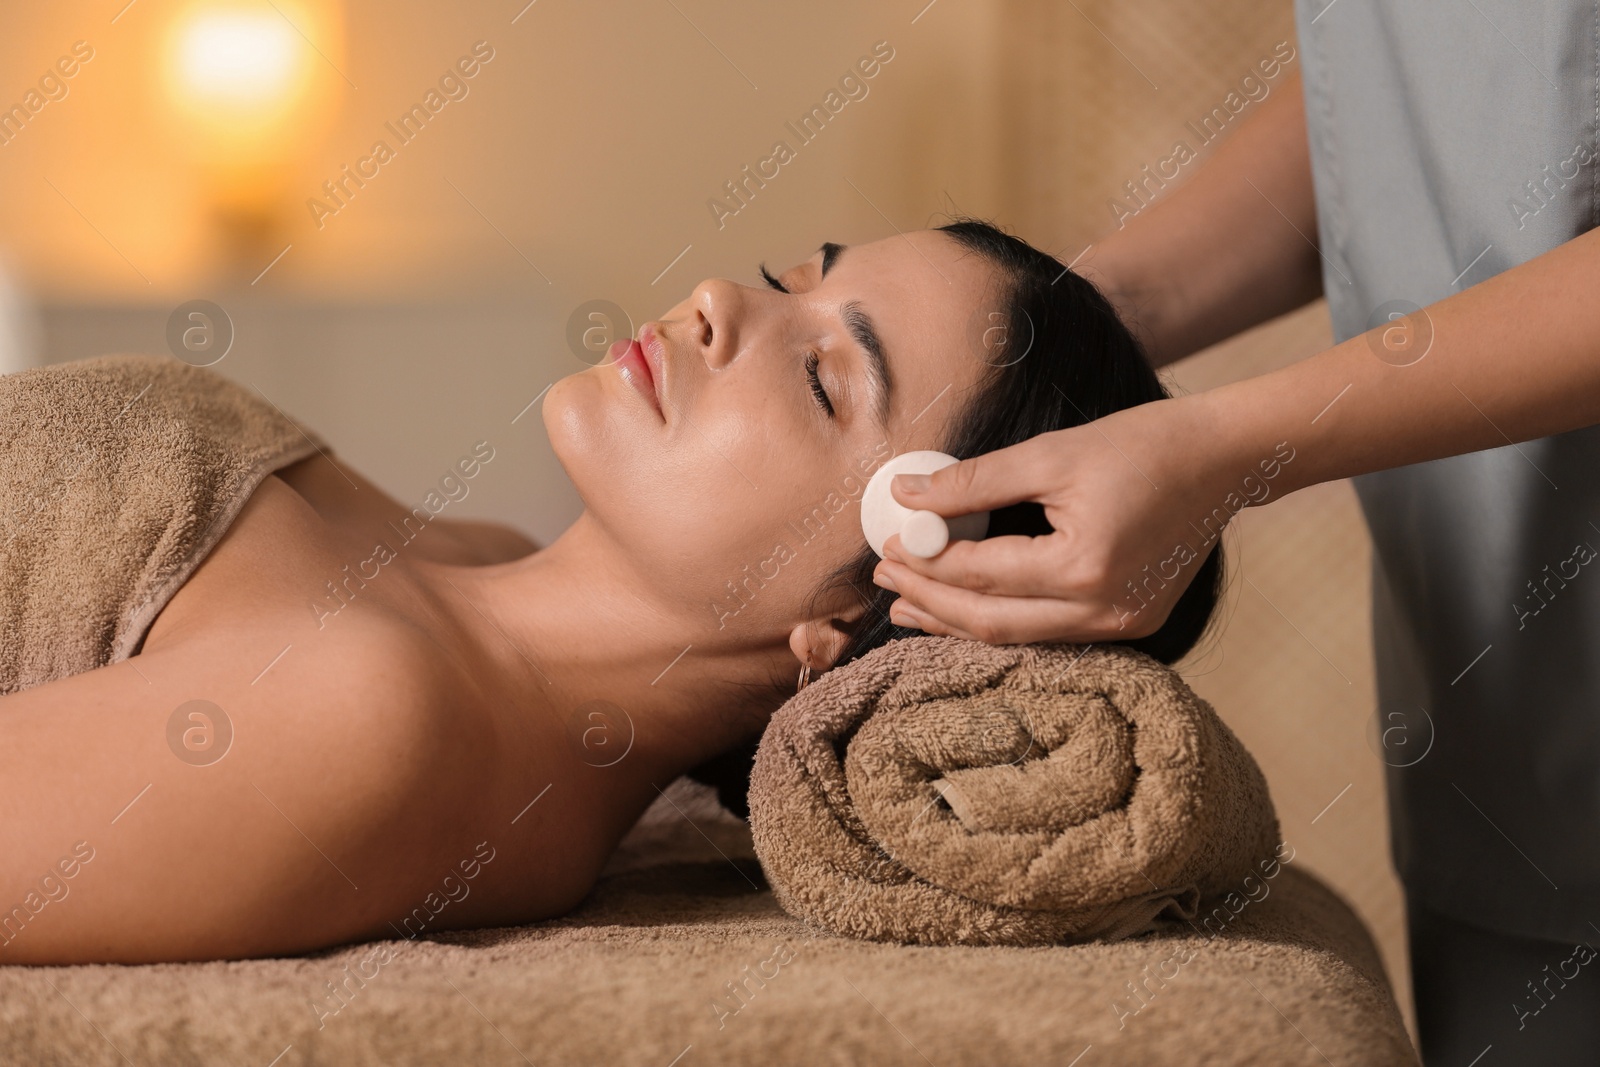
column 1231, row 246
column 310, row 830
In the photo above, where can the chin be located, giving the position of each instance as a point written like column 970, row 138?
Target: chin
column 601, row 450
column 582, row 430
column 645, row 494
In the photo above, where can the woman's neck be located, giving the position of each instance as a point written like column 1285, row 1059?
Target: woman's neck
column 572, row 626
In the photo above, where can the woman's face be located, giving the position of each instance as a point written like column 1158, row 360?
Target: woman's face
column 733, row 482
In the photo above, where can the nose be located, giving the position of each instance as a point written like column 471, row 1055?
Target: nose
column 717, row 309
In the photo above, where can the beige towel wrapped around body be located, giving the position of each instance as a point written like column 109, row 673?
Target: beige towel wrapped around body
column 943, row 791
column 118, row 475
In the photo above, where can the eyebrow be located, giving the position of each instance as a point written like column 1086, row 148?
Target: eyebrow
column 830, row 253
column 865, row 333
column 861, row 327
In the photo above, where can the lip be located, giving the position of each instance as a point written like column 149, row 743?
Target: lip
column 633, row 362
column 655, row 357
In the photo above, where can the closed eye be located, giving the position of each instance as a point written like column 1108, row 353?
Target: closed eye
column 770, row 280
column 812, row 360
column 816, row 384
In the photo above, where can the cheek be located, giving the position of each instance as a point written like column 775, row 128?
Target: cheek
column 754, row 477
column 788, row 543
column 817, row 517
column 696, row 500
column 738, row 505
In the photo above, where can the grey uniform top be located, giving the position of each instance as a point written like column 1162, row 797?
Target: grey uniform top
column 1449, row 142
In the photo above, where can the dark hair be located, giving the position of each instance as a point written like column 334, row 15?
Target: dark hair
column 1065, row 359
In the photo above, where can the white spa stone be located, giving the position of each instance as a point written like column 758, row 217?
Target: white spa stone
column 922, row 533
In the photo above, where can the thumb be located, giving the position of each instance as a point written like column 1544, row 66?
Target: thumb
column 983, row 483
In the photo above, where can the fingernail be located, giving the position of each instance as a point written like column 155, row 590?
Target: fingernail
column 911, row 483
column 902, row 616
column 882, row 580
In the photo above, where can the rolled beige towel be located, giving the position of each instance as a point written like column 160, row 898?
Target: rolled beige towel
column 943, row 791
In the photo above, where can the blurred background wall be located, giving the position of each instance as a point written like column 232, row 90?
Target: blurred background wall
column 424, row 297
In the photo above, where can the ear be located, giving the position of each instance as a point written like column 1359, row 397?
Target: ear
column 820, row 641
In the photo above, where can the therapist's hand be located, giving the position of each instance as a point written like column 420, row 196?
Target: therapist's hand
column 1120, row 492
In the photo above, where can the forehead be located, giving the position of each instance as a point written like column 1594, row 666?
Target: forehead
column 923, row 269
column 927, row 294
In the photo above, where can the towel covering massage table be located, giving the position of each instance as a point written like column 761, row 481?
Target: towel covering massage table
column 680, row 956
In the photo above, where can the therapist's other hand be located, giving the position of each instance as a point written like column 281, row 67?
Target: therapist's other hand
column 1120, row 493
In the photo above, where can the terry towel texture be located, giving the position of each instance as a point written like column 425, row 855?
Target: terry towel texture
column 117, row 476
column 942, row 791
column 680, row 954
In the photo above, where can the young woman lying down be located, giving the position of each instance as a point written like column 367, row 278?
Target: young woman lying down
column 473, row 733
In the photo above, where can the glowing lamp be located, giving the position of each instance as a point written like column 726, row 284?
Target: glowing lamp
column 251, row 87
column 244, row 65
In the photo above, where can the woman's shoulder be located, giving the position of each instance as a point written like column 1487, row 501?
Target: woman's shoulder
column 350, row 501
column 488, row 542
column 285, row 578
column 293, row 782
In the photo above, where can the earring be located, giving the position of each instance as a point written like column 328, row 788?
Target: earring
column 805, row 677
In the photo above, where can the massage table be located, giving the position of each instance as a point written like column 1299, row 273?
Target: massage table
column 680, row 957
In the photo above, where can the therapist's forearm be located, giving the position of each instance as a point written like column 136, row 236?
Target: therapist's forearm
column 1513, row 358
column 1231, row 246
